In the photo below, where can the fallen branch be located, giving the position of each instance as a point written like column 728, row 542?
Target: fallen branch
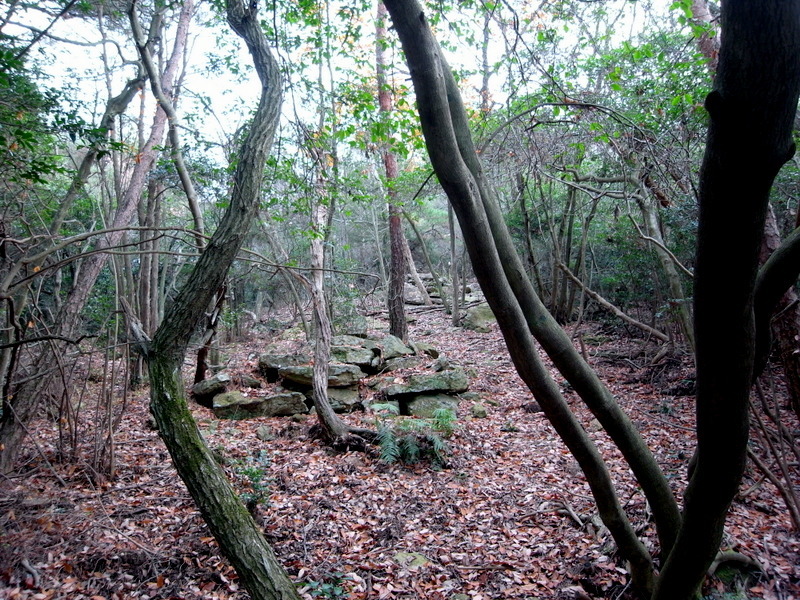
column 610, row 307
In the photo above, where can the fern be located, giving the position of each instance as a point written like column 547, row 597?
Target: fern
column 444, row 421
column 439, row 450
column 409, row 448
column 410, row 440
column 387, row 440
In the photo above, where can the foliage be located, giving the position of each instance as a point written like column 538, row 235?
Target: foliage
column 409, row 440
column 252, row 472
column 330, row 587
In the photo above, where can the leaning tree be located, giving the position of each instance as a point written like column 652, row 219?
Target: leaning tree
column 239, row 538
column 752, row 109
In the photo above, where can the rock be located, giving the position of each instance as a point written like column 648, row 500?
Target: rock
column 270, row 364
column 251, row 382
column 293, row 333
column 479, row 411
column 364, row 358
column 594, row 426
column 412, row 295
column 344, row 400
column 425, row 348
column 411, row 559
column 402, row 362
column 441, row 363
column 235, row 405
column 352, row 340
column 205, row 390
column 392, row 347
column 479, row 318
column 264, row 433
column 532, row 407
column 452, row 381
column 424, row 405
column 339, row 375
column 352, row 324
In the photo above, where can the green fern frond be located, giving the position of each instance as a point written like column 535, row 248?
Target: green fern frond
column 387, row 440
column 409, row 449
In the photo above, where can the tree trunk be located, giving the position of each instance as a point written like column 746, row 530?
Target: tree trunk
column 502, row 277
column 239, row 538
column 455, row 310
column 398, row 326
column 27, row 396
column 785, row 328
column 752, row 111
column 678, row 301
column 412, row 270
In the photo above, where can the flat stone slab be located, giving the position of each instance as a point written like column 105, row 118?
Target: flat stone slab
column 235, row 405
column 339, row 375
column 452, row 381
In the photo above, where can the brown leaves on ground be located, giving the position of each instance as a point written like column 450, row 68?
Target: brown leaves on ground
column 512, row 518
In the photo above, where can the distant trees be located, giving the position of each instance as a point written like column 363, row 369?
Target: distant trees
column 750, row 137
column 585, row 165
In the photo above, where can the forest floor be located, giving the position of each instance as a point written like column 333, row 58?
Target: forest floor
column 511, row 517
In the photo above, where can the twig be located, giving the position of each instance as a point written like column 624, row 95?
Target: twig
column 655, row 242
column 31, row 437
column 37, row 578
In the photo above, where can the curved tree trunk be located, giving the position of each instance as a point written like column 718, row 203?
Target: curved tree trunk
column 752, row 111
column 500, row 273
column 239, row 538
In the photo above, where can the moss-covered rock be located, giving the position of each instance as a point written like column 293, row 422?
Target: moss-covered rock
column 425, row 405
column 344, row 400
column 204, row 391
column 235, row 405
column 339, row 375
column 392, row 347
column 479, row 318
column 270, row 363
column 452, row 381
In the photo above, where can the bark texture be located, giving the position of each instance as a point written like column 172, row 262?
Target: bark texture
column 398, row 326
column 752, row 110
column 239, row 538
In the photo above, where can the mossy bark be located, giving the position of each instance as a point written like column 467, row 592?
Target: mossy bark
column 239, row 538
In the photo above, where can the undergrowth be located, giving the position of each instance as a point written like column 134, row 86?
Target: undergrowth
column 409, row 440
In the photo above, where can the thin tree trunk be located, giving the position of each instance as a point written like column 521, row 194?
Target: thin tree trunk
column 785, row 327
column 455, row 313
column 436, row 281
column 412, row 269
column 27, row 396
column 398, row 326
column 678, row 301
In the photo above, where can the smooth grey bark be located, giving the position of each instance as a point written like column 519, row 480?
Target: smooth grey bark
column 752, row 110
column 239, row 538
